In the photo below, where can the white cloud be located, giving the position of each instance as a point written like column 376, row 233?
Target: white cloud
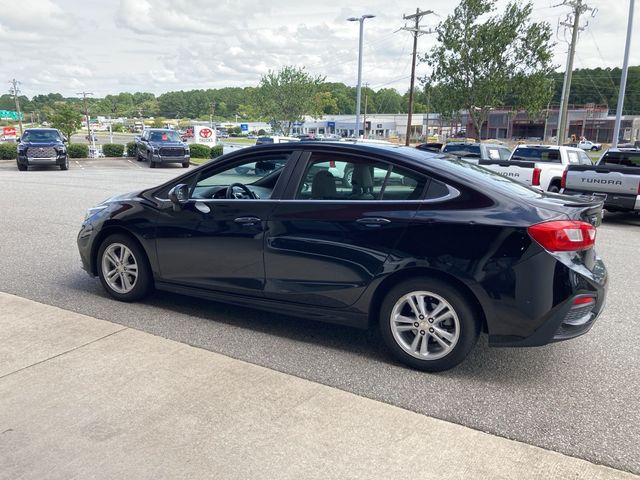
column 160, row 45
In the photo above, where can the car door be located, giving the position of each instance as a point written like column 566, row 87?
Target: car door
column 214, row 242
column 332, row 233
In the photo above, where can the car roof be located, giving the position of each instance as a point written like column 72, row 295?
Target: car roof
column 41, row 130
column 624, row 149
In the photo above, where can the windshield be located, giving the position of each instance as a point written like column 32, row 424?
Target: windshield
column 463, row 150
column 536, row 154
column 168, row 136
column 42, row 136
column 628, row 159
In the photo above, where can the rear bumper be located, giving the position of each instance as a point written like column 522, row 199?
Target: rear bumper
column 565, row 319
column 613, row 201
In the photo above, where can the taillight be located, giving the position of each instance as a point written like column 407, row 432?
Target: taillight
column 332, row 164
column 535, row 181
column 564, row 235
column 563, row 181
column 583, row 301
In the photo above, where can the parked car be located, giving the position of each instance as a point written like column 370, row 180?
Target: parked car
column 616, row 178
column 275, row 139
column 430, row 146
column 452, row 251
column 587, row 145
column 161, row 145
column 552, row 162
column 42, row 146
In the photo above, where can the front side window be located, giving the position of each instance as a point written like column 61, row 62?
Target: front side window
column 336, row 177
column 584, row 159
column 253, row 178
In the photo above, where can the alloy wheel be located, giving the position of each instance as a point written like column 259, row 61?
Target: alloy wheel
column 119, row 268
column 424, row 325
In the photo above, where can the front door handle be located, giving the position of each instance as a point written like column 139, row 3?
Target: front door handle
column 373, row 221
column 247, row 220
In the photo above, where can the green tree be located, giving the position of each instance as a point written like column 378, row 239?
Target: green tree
column 66, row 119
column 481, row 62
column 287, row 95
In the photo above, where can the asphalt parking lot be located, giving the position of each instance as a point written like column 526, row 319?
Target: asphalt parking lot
column 579, row 397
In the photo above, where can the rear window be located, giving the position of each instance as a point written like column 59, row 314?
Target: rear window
column 536, row 154
column 462, row 150
column 629, row 159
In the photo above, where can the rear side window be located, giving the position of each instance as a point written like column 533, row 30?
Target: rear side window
column 463, row 150
column 584, row 158
column 537, row 154
column 340, row 177
column 628, row 159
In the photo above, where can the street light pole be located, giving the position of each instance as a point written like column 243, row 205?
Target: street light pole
column 360, row 19
column 623, row 80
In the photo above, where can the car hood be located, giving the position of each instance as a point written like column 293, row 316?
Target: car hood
column 40, row 144
column 122, row 197
column 167, row 144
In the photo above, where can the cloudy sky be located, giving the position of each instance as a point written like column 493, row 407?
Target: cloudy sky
column 109, row 46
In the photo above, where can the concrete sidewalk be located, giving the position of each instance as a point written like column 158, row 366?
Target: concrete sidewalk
column 84, row 398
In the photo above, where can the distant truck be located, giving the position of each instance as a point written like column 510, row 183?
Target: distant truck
column 479, row 151
column 42, row 146
column 161, row 145
column 587, row 145
column 616, row 178
column 552, row 162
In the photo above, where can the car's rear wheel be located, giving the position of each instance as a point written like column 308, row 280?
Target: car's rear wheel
column 428, row 324
column 347, row 178
column 554, row 189
column 594, row 149
column 123, row 268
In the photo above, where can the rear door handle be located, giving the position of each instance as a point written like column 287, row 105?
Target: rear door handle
column 247, row 220
column 373, row 221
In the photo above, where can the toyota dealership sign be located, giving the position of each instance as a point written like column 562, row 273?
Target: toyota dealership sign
column 206, row 135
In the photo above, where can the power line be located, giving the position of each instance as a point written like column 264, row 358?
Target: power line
column 416, row 31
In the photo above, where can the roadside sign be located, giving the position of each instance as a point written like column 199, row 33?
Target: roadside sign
column 10, row 114
column 244, row 127
column 204, row 135
column 9, row 132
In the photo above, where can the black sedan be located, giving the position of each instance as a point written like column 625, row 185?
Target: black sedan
column 441, row 253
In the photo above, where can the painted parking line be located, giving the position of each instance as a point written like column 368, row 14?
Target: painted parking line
column 79, row 164
column 133, row 163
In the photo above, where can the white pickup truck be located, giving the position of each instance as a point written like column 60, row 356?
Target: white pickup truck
column 616, row 178
column 552, row 162
column 588, row 145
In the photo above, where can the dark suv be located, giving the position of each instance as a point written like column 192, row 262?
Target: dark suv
column 42, row 146
column 448, row 251
column 159, row 145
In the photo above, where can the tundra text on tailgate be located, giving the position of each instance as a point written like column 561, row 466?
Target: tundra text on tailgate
column 616, row 177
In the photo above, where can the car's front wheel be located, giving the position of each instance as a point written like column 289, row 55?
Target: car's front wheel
column 22, row 167
column 428, row 324
column 123, row 268
column 65, row 165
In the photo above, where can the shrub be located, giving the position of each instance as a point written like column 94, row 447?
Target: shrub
column 216, row 151
column 8, row 151
column 200, row 151
column 261, row 132
column 131, row 149
column 78, row 150
column 117, row 128
column 113, row 150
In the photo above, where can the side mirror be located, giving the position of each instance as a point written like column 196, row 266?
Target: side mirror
column 65, row 140
column 17, row 139
column 179, row 195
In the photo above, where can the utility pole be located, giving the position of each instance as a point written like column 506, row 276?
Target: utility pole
column 15, row 90
column 623, row 80
column 364, row 119
column 86, row 115
column 360, row 19
column 86, row 110
column 415, row 30
column 573, row 22
column 213, row 109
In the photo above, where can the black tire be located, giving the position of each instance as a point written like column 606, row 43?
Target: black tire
column 185, row 164
column 22, row 167
column 468, row 325
column 554, row 189
column 347, row 177
column 152, row 164
column 139, row 157
column 144, row 281
column 65, row 165
column 594, row 149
